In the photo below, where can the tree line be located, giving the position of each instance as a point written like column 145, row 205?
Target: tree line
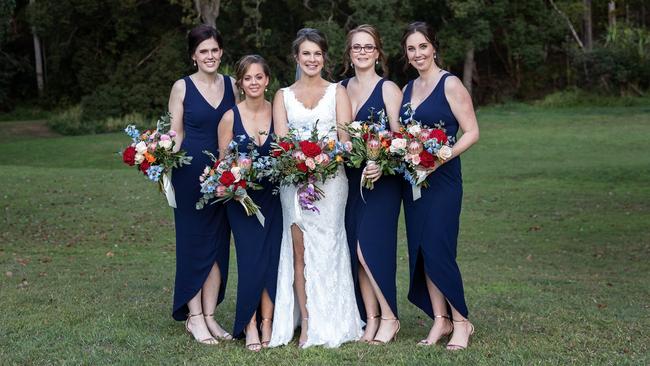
column 119, row 56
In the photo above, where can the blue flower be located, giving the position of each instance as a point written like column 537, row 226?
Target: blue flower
column 154, row 172
column 133, row 132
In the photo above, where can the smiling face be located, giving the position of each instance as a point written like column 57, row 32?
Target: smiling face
column 254, row 81
column 360, row 54
column 208, row 56
column 420, row 52
column 310, row 58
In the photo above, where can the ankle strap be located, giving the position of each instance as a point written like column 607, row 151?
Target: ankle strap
column 209, row 315
column 382, row 318
column 372, row 316
column 442, row 316
column 267, row 320
column 193, row 315
column 460, row 321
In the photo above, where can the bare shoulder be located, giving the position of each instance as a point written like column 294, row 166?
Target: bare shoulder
column 229, row 116
column 453, row 85
column 179, row 87
column 391, row 89
column 340, row 89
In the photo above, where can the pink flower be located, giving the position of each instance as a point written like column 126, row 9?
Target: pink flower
column 244, row 162
column 298, row 155
column 322, row 159
column 164, row 137
column 310, row 163
column 348, row 146
column 172, row 133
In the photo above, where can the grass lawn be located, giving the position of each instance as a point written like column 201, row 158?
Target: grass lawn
column 554, row 250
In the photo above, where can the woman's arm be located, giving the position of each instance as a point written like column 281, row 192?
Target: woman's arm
column 175, row 107
column 280, row 124
column 343, row 112
column 463, row 109
column 393, row 100
column 225, row 132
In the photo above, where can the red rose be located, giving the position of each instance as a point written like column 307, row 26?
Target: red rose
column 310, row 149
column 240, row 184
column 397, row 135
column 427, row 160
column 144, row 166
column 302, row 167
column 439, row 135
column 366, row 136
column 286, row 146
column 129, row 155
column 227, row 178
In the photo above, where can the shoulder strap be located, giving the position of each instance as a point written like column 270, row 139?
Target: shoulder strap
column 345, row 82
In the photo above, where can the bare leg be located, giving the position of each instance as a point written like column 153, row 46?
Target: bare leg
column 299, row 278
column 210, row 292
column 195, row 323
column 441, row 324
column 252, row 336
column 267, row 318
column 463, row 329
column 371, row 305
column 389, row 324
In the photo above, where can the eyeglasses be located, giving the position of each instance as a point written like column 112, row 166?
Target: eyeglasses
column 368, row 48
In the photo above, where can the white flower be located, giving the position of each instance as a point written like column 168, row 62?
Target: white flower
column 206, row 170
column 139, row 158
column 310, row 163
column 397, row 145
column 444, row 153
column 165, row 144
column 414, row 130
column 141, row 147
column 355, row 125
column 236, row 171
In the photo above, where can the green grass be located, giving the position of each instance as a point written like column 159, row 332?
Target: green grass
column 554, row 250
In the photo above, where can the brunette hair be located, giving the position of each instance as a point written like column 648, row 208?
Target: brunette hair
column 312, row 35
column 428, row 33
column 372, row 31
column 245, row 62
column 199, row 34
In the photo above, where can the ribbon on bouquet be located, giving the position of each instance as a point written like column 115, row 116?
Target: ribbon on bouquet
column 168, row 188
column 415, row 188
column 247, row 200
column 298, row 211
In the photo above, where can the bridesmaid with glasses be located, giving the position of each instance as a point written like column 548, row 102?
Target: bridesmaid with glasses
column 371, row 220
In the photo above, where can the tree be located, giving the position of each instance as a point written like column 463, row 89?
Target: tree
column 588, row 29
column 38, row 59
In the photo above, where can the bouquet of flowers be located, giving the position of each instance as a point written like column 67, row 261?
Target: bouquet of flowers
column 230, row 178
column 372, row 143
column 425, row 148
column 152, row 153
column 305, row 162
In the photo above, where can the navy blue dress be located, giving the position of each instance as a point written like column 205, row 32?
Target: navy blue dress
column 373, row 223
column 258, row 248
column 432, row 221
column 202, row 236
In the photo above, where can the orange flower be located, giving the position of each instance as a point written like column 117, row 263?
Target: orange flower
column 339, row 158
column 330, row 144
column 150, row 158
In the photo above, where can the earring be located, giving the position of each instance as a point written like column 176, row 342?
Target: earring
column 376, row 62
column 241, row 91
column 194, row 63
column 351, row 65
column 266, row 90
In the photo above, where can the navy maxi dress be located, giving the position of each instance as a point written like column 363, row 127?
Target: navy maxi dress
column 432, row 221
column 258, row 248
column 373, row 223
column 202, row 236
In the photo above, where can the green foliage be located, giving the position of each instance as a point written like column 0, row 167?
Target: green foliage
column 72, row 122
column 574, row 97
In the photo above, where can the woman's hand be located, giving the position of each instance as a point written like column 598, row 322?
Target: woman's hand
column 372, row 172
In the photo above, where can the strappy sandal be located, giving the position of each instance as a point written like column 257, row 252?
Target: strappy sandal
column 371, row 317
column 393, row 338
column 253, row 347
column 425, row 342
column 265, row 344
column 224, row 337
column 211, row 341
column 458, row 347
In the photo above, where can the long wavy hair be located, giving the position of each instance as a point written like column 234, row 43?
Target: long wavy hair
column 428, row 33
column 374, row 33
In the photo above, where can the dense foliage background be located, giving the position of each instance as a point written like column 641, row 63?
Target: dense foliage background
column 104, row 59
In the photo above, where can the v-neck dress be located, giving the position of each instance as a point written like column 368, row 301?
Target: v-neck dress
column 432, row 222
column 257, row 246
column 373, row 223
column 202, row 236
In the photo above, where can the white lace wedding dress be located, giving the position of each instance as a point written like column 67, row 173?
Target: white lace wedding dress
column 333, row 314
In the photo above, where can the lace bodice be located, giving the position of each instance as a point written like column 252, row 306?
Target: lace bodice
column 303, row 118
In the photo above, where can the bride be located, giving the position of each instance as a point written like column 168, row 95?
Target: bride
column 314, row 268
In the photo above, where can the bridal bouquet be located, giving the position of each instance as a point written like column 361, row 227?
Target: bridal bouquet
column 373, row 143
column 230, row 178
column 152, row 153
column 305, row 162
column 425, row 148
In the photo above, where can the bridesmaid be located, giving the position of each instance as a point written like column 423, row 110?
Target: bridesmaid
column 432, row 221
column 258, row 247
column 196, row 104
column 371, row 226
